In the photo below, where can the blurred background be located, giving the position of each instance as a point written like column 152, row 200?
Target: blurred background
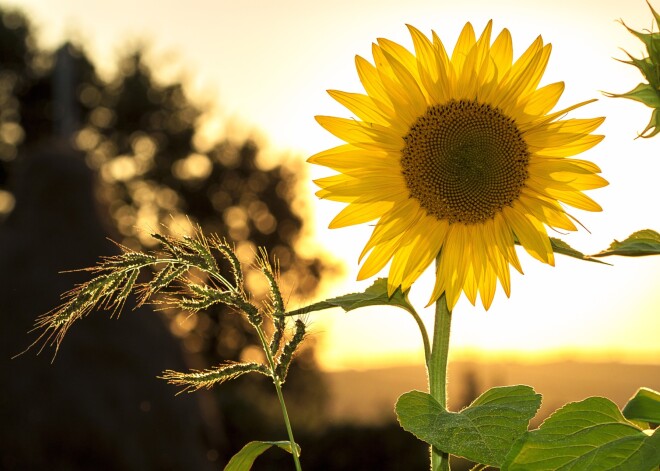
column 118, row 119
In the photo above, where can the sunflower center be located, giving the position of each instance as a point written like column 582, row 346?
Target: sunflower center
column 464, row 161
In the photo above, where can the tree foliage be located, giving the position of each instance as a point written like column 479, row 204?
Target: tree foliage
column 139, row 138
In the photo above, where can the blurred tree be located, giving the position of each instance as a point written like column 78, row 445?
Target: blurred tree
column 97, row 407
column 138, row 136
column 29, row 84
column 15, row 52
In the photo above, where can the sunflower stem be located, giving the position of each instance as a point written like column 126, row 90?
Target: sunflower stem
column 437, row 371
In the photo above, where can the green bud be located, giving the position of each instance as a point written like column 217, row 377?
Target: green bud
column 647, row 93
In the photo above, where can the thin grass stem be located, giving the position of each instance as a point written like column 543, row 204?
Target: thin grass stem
column 280, row 397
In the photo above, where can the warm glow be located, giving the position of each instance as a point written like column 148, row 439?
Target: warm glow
column 266, row 67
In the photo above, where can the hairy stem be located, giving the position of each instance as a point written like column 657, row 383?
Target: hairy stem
column 437, row 371
column 278, row 388
column 425, row 336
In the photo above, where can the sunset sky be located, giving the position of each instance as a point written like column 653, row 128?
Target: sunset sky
column 264, row 66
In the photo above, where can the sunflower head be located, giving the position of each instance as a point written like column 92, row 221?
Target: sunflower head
column 458, row 158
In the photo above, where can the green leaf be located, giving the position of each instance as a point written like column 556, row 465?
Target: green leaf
column 244, row 459
column 644, row 93
column 656, row 15
column 374, row 295
column 559, row 246
column 649, row 39
column 587, row 435
column 653, row 127
column 644, row 405
column 644, row 242
column 483, row 432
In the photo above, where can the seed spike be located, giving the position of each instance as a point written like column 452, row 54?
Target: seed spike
column 289, row 349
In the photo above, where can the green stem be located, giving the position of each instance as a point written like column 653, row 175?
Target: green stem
column 280, row 396
column 425, row 336
column 437, row 371
column 287, row 423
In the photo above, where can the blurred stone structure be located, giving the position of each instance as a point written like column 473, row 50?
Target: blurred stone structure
column 98, row 406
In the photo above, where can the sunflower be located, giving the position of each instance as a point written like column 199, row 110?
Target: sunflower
column 457, row 158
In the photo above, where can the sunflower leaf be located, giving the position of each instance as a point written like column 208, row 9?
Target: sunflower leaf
column 644, row 406
column 644, row 93
column 653, row 127
column 644, row 242
column 374, row 295
column 559, row 246
column 244, row 459
column 483, row 432
column 590, row 434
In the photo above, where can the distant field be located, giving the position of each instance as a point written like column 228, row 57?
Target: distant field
column 369, row 396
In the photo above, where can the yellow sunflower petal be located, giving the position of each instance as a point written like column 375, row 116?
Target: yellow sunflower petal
column 471, row 288
column 576, row 147
column 477, row 67
column 501, row 267
column 400, row 54
column 399, row 259
column 366, row 135
column 518, row 78
column 544, row 177
column 576, row 199
column 547, row 118
column 413, row 95
column 346, row 185
column 426, row 249
column 561, row 133
column 553, row 216
column 532, row 80
column 544, row 99
column 442, row 52
column 378, row 258
column 504, row 242
column 531, row 234
column 359, row 213
column 502, row 52
column 453, row 269
column 431, row 67
column 523, row 62
column 482, row 60
column 560, row 165
column 395, row 222
column 487, row 285
column 371, row 82
column 363, row 106
column 464, row 43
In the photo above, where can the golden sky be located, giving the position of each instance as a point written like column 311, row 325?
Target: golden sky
column 265, row 66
